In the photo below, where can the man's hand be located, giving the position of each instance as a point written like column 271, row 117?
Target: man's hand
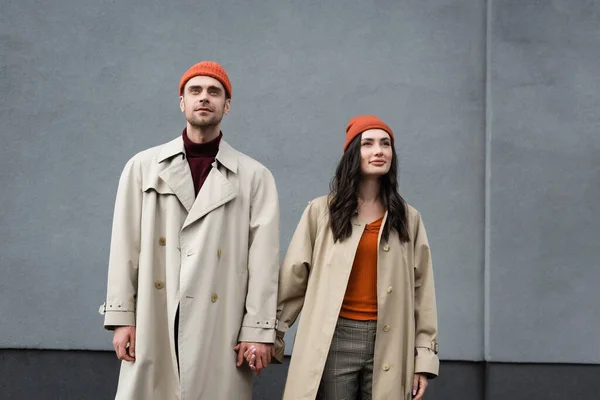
column 124, row 342
column 420, row 383
column 258, row 355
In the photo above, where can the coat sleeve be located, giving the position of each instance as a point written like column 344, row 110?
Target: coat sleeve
column 258, row 324
column 293, row 276
column 426, row 348
column 119, row 308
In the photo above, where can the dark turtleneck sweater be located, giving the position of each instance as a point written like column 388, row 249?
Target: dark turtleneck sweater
column 200, row 157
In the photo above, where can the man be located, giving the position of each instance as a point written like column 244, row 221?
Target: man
column 194, row 258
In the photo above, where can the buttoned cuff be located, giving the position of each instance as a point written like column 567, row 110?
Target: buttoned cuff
column 252, row 321
column 113, row 319
column 257, row 330
column 427, row 362
column 256, row 335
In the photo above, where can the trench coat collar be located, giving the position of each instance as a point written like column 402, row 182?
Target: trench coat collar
column 178, row 177
column 177, row 174
column 344, row 251
column 227, row 155
column 171, row 149
column 216, row 191
column 355, row 221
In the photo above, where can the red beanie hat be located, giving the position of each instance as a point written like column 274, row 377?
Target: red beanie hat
column 358, row 125
column 206, row 68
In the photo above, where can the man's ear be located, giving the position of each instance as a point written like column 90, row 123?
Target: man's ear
column 227, row 106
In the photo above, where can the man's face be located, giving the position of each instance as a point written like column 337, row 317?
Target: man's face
column 203, row 102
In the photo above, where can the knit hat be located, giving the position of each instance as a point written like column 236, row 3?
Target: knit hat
column 206, row 68
column 358, row 125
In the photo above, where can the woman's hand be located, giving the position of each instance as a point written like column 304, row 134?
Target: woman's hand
column 257, row 355
column 420, row 383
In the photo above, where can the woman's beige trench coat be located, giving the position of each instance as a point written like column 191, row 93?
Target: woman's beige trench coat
column 313, row 279
column 216, row 256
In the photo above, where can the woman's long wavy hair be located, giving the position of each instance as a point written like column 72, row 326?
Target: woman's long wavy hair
column 343, row 198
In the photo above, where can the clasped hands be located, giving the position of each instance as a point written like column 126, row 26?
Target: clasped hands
column 257, row 355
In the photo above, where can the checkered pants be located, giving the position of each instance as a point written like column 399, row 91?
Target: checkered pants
column 348, row 373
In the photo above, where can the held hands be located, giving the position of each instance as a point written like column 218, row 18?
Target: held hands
column 420, row 383
column 257, row 355
column 124, row 342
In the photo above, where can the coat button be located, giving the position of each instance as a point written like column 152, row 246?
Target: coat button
column 390, row 289
column 162, row 241
column 214, row 298
column 386, row 247
column 219, row 252
column 386, row 367
column 159, row 285
column 386, row 328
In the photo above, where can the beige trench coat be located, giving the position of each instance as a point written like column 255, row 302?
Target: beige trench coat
column 313, row 279
column 216, row 255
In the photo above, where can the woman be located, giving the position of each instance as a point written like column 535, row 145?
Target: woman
column 359, row 268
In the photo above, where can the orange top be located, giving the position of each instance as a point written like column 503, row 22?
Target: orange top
column 360, row 300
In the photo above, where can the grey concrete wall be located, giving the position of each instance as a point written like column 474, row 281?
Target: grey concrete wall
column 86, row 85
column 513, row 114
column 544, row 181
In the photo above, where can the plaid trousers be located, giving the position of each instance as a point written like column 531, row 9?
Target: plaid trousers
column 348, row 373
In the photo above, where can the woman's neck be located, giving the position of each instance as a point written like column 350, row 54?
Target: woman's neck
column 370, row 207
column 368, row 190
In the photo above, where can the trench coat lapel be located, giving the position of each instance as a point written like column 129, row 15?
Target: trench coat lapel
column 343, row 252
column 178, row 175
column 217, row 189
column 215, row 192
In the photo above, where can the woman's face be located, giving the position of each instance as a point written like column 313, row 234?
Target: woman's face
column 375, row 152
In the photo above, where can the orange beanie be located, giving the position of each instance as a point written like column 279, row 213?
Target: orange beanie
column 358, row 125
column 206, row 68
